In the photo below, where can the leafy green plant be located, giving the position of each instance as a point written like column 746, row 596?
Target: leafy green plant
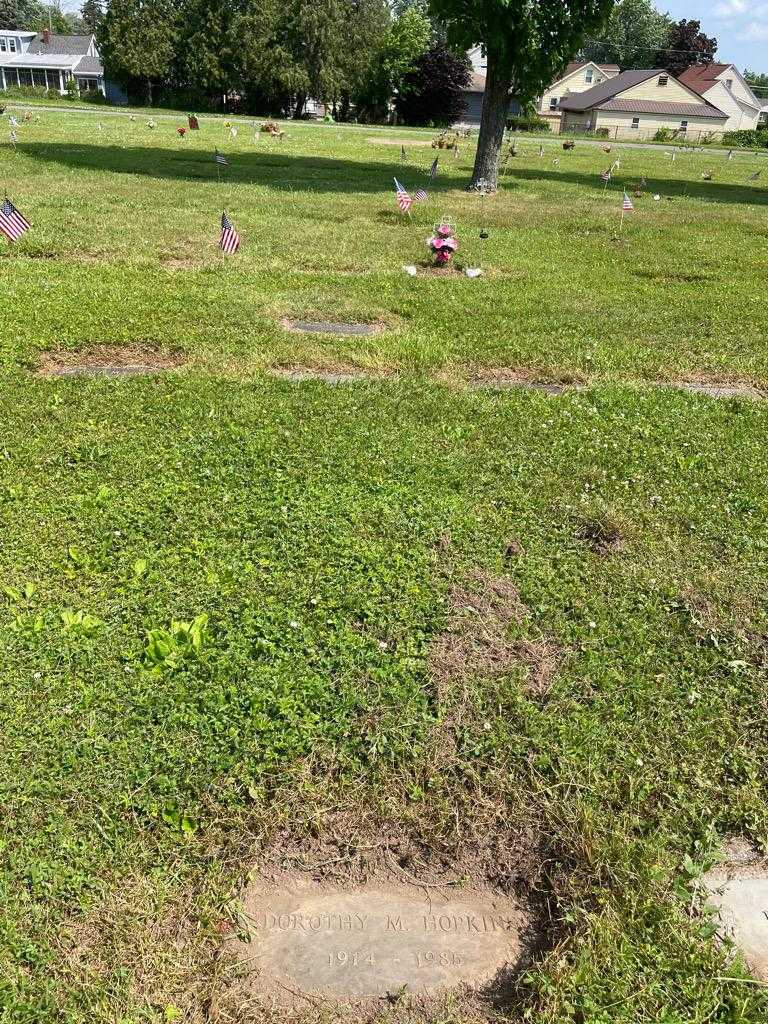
column 167, row 649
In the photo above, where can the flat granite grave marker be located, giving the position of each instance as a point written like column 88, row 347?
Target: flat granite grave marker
column 743, row 917
column 331, row 327
column 371, row 943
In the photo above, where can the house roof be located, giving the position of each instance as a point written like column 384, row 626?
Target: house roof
column 701, row 77
column 598, row 94
column 576, row 64
column 659, row 107
column 89, row 66
column 60, row 44
column 40, row 60
column 606, row 96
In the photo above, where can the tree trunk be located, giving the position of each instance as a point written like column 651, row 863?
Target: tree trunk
column 301, row 101
column 492, row 121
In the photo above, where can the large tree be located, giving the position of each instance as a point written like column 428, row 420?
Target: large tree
column 525, row 43
column 631, row 37
column 685, row 45
column 138, row 41
column 92, row 13
column 22, row 14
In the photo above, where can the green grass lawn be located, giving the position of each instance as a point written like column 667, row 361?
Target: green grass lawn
column 221, row 591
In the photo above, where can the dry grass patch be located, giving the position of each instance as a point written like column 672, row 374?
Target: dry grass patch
column 106, row 361
column 476, row 641
column 501, row 377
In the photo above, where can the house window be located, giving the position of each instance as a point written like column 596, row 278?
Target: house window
column 553, row 103
column 3, row 45
column 588, row 77
column 12, row 46
column 88, row 84
column 729, row 83
column 663, row 79
column 635, row 122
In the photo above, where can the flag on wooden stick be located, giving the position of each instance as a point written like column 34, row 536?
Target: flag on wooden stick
column 219, row 158
column 433, row 169
column 12, row 223
column 626, row 204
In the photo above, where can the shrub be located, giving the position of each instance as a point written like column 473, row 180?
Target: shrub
column 663, row 135
column 754, row 138
column 71, row 86
column 94, row 96
column 602, row 133
column 519, row 123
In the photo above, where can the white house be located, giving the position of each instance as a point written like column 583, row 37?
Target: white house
column 638, row 104
column 578, row 77
column 725, row 87
column 47, row 61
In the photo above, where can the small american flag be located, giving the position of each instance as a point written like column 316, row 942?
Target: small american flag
column 404, row 201
column 626, row 204
column 230, row 240
column 402, row 154
column 219, row 158
column 14, row 137
column 12, row 223
column 433, row 169
column 606, row 174
column 420, row 195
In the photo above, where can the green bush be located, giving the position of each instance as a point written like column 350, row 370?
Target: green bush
column 753, row 138
column 94, row 97
column 27, row 92
column 664, row 135
column 602, row 133
column 519, row 123
column 71, row 86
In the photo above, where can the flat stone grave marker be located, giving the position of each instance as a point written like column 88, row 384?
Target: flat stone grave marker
column 331, row 327
column 104, row 371
column 371, row 943
column 743, row 916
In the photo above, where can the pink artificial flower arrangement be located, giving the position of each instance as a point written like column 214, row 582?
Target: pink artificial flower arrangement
column 442, row 244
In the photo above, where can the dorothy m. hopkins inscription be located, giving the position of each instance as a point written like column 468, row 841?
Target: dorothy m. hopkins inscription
column 369, row 943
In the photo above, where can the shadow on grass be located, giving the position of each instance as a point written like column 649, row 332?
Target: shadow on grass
column 710, row 191
column 292, row 173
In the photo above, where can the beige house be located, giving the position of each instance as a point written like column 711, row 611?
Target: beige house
column 637, row 104
column 725, row 87
column 577, row 78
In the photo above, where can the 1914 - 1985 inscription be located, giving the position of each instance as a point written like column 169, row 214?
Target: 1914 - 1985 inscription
column 370, row 943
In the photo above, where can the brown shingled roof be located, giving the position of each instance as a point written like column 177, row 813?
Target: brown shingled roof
column 701, row 77
column 659, row 107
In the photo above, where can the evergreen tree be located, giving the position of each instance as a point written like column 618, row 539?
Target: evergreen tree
column 138, row 41
column 92, row 14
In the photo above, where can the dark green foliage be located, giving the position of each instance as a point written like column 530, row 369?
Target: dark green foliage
column 433, row 93
column 92, row 14
column 630, row 37
column 747, row 139
column 528, row 44
column 521, row 123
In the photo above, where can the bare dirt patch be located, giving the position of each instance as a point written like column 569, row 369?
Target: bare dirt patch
column 476, row 641
column 107, row 361
column 519, row 377
column 604, row 534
